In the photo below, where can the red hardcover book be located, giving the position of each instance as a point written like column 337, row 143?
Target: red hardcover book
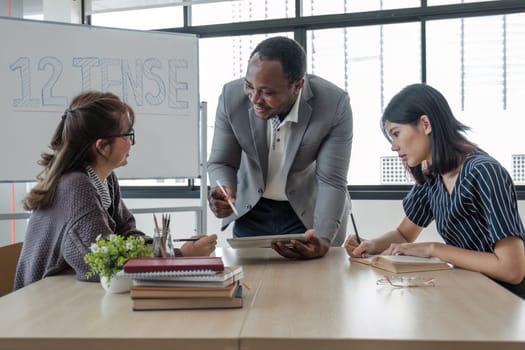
column 174, row 264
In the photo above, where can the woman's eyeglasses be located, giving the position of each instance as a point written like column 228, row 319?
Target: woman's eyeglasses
column 406, row 281
column 130, row 134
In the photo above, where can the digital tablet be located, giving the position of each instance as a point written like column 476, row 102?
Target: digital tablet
column 263, row 241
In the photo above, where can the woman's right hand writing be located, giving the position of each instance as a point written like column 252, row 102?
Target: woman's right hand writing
column 357, row 250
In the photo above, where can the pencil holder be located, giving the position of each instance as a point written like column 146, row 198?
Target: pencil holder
column 169, row 244
column 156, row 243
column 162, row 243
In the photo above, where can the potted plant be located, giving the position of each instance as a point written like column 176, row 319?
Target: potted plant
column 108, row 256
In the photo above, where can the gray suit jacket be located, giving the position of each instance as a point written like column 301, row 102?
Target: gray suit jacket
column 318, row 154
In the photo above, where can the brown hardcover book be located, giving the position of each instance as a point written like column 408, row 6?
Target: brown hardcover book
column 221, row 279
column 146, row 292
column 189, row 303
column 174, row 264
column 403, row 263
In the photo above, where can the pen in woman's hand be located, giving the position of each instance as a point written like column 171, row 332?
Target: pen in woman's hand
column 227, row 198
column 358, row 239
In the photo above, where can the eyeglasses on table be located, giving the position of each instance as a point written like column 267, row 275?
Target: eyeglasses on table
column 406, row 281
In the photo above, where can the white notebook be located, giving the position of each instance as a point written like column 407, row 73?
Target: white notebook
column 220, row 279
column 166, row 274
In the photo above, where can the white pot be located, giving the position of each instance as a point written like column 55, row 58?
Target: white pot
column 116, row 285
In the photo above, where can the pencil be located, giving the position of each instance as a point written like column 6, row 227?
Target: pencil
column 227, row 198
column 156, row 224
column 355, row 229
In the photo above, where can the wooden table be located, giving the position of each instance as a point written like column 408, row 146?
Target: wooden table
column 60, row 312
column 317, row 304
column 331, row 304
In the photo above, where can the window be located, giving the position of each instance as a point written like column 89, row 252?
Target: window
column 451, row 2
column 372, row 63
column 241, row 11
column 323, row 7
column 143, row 19
column 479, row 65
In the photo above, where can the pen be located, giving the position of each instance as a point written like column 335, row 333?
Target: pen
column 185, row 239
column 227, row 198
column 355, row 229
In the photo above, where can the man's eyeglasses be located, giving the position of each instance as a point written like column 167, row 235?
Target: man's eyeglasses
column 130, row 134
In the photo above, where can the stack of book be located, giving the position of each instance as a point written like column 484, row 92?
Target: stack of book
column 183, row 283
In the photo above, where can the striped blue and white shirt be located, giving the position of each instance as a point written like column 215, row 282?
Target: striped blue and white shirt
column 481, row 210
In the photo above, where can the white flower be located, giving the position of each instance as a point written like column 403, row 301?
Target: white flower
column 112, row 237
column 104, row 249
column 94, row 248
column 129, row 245
column 98, row 237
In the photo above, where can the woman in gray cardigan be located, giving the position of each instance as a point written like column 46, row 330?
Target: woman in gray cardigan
column 77, row 196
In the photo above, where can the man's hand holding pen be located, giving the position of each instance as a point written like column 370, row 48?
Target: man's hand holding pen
column 222, row 201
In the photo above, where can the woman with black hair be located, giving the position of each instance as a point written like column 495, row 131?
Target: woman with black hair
column 467, row 192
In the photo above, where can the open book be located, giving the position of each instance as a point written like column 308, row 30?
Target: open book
column 403, row 263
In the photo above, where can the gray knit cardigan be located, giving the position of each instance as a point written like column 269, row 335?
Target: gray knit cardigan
column 58, row 237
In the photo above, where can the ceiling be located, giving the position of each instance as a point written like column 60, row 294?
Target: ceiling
column 35, row 7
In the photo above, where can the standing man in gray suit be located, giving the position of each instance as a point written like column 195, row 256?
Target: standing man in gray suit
column 281, row 150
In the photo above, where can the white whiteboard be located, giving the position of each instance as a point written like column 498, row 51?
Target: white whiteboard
column 44, row 65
